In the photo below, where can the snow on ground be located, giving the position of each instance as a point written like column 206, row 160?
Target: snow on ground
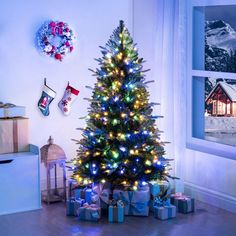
column 220, row 124
column 221, row 130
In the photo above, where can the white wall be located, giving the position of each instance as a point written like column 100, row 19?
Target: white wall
column 23, row 67
column 208, row 178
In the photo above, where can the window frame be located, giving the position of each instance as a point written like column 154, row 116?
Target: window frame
column 192, row 142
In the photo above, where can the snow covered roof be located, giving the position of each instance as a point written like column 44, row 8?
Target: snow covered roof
column 230, row 90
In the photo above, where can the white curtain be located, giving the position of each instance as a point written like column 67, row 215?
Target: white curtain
column 159, row 30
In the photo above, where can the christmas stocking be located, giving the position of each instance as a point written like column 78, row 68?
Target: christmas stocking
column 46, row 98
column 68, row 98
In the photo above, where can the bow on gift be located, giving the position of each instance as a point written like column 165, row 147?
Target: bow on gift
column 92, row 208
column 100, row 194
column 138, row 207
column 159, row 202
column 180, row 196
column 116, row 203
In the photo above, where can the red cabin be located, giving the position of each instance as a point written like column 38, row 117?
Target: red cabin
column 222, row 99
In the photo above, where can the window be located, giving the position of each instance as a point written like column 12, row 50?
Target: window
column 212, row 77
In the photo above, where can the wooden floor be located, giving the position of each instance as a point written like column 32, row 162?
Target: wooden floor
column 52, row 221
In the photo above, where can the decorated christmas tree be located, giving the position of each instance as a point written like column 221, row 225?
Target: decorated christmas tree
column 121, row 143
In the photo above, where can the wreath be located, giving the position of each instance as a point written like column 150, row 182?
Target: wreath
column 55, row 38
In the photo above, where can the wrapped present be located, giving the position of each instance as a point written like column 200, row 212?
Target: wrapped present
column 153, row 203
column 73, row 205
column 14, row 135
column 136, row 202
column 116, row 212
column 10, row 110
column 159, row 187
column 89, row 212
column 84, row 193
column 70, row 207
column 100, row 195
column 77, row 192
column 165, row 212
column 183, row 203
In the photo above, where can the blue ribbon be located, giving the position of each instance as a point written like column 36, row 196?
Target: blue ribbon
column 133, row 206
column 158, row 202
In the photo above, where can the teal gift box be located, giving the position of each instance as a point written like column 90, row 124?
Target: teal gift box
column 89, row 212
column 84, row 193
column 184, row 204
column 152, row 203
column 116, row 213
column 135, row 202
column 12, row 111
column 100, row 195
column 158, row 187
column 72, row 206
column 165, row 212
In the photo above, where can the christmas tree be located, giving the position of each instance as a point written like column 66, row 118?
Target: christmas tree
column 121, row 143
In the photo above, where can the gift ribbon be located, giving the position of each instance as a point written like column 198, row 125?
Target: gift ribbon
column 15, row 136
column 92, row 210
column 133, row 206
column 161, row 202
column 100, row 194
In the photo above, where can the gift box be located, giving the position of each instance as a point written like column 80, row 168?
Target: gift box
column 100, row 195
column 89, row 212
column 159, row 187
column 116, row 212
column 136, row 202
column 183, row 203
column 73, row 205
column 165, row 212
column 11, row 111
column 84, row 193
column 77, row 192
column 152, row 203
column 14, row 135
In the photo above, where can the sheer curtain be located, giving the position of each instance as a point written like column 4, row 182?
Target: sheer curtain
column 170, row 73
column 159, row 29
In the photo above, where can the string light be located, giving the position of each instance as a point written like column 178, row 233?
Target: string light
column 115, row 154
column 148, row 163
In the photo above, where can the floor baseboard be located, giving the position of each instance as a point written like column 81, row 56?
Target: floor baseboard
column 212, row 197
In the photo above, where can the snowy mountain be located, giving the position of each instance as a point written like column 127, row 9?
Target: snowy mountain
column 220, row 50
column 220, row 34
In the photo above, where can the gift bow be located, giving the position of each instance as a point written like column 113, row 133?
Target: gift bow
column 180, row 196
column 118, row 203
column 133, row 206
column 101, row 194
column 86, row 206
column 161, row 202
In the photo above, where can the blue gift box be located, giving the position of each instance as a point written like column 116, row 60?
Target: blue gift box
column 70, row 208
column 84, row 193
column 184, row 204
column 100, row 195
column 73, row 205
column 116, row 213
column 10, row 112
column 89, row 212
column 158, row 187
column 152, row 203
column 136, row 202
column 165, row 212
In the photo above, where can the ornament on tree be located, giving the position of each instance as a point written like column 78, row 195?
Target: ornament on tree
column 68, row 98
column 46, row 98
column 120, row 143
